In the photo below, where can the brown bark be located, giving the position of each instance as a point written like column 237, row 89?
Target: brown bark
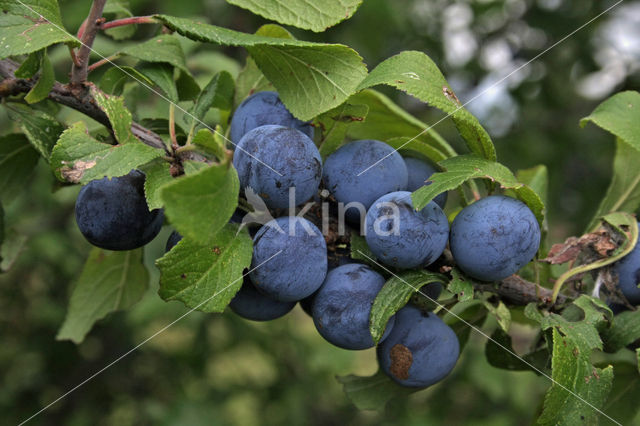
column 79, row 71
column 64, row 95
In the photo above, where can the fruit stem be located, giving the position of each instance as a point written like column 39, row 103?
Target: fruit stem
column 440, row 305
column 103, row 61
column 186, row 148
column 128, row 21
column 172, row 126
column 191, row 130
column 74, row 58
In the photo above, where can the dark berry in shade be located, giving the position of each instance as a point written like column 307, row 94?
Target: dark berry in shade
column 173, row 239
column 264, row 108
column 342, row 306
column 628, row 271
column 289, row 259
column 249, row 303
column 112, row 213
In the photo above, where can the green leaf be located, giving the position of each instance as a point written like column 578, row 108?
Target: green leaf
column 43, row 86
column 463, row 317
column 218, row 93
column 501, row 313
column 212, row 143
column 1, row 229
column 113, row 80
column 460, row 286
column 206, row 277
column 161, row 127
column 30, row 26
column 572, row 370
column 416, row 74
column 30, row 66
column 623, row 193
column 250, row 79
column 627, row 225
column 574, row 337
column 40, row 128
column 498, row 357
column 13, row 246
column 302, row 13
column 360, row 250
column 162, row 76
column 389, row 123
column 118, row 9
column 394, row 295
column 161, row 49
column 624, row 331
column 17, row 160
column 334, row 125
column 536, row 178
column 373, row 392
column 465, row 167
column 119, row 116
column 311, row 78
column 79, row 158
column 200, row 205
column 619, row 115
column 593, row 315
column 622, row 404
column 157, row 176
column 187, row 87
column 191, row 167
column 110, row 281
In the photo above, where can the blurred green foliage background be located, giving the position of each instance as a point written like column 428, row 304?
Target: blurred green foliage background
column 219, row 369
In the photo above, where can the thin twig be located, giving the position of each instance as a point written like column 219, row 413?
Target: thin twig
column 79, row 72
column 172, row 126
column 74, row 58
column 128, row 21
column 102, row 62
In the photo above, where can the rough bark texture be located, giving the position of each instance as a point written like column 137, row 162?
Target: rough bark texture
column 65, row 95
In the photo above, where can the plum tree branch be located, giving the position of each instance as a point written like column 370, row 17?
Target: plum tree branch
column 64, row 95
column 518, row 291
column 79, row 71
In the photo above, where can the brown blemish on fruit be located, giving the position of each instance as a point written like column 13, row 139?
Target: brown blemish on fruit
column 401, row 360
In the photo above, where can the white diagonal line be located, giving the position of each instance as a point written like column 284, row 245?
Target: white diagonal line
column 121, row 357
column 533, row 367
column 535, row 58
column 151, row 89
